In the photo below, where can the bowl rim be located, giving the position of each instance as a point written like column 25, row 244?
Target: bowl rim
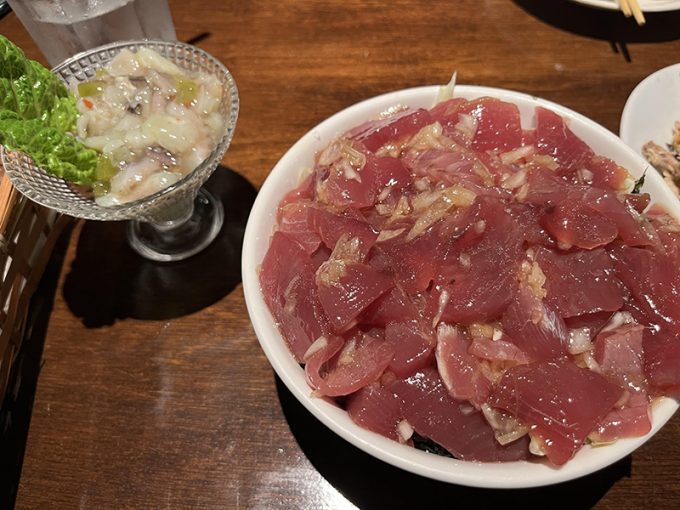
column 128, row 210
column 520, row 474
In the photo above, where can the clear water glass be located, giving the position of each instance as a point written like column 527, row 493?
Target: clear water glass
column 62, row 28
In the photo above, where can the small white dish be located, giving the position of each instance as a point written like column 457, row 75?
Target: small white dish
column 261, row 224
column 652, row 109
column 645, row 5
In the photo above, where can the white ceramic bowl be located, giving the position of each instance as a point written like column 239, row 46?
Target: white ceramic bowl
column 645, row 5
column 652, row 109
column 260, row 226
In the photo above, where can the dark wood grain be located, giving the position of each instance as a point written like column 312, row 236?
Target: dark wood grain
column 154, row 392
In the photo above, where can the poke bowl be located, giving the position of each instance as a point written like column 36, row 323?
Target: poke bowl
column 263, row 222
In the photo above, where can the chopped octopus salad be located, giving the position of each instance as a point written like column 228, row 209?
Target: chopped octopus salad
column 463, row 285
column 152, row 121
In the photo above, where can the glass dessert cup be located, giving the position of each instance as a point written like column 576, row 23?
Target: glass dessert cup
column 169, row 225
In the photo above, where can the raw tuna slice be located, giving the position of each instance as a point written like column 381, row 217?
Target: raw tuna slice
column 345, row 297
column 347, row 183
column 305, row 191
column 654, row 281
column 583, row 216
column 331, row 226
column 555, row 139
column 335, row 367
column 393, row 306
column 562, row 402
column 667, row 232
column 627, row 220
column 543, row 187
column 498, row 124
column 482, row 266
column 390, row 173
column 534, row 327
column 447, row 114
column 662, row 361
column 376, row 133
column 607, row 175
column 619, row 354
column 579, row 283
column 529, row 137
column 294, row 222
column 457, row 126
column 627, row 422
column 638, row 201
column 287, row 279
column 497, row 350
column 416, row 262
column 576, row 224
column 528, row 220
column 455, row 425
column 577, row 207
column 459, row 370
column 413, row 347
column 375, row 408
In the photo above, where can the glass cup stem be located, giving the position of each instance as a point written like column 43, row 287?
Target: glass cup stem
column 179, row 231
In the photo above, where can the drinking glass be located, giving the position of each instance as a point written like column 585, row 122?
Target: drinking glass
column 62, row 28
column 169, row 225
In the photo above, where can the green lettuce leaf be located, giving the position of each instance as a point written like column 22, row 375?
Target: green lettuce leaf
column 34, row 95
column 7, row 115
column 12, row 59
column 42, row 76
column 37, row 115
column 8, row 100
column 63, row 115
column 32, row 101
column 65, row 156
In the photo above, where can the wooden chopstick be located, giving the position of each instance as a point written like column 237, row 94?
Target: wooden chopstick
column 625, row 8
column 632, row 8
column 637, row 12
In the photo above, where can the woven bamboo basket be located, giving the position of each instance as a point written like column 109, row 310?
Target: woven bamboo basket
column 28, row 233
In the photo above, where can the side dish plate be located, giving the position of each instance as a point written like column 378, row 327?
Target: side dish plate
column 652, row 109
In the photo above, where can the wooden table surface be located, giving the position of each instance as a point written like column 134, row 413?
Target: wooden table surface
column 153, row 391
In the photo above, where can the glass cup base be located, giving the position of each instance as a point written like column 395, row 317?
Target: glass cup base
column 178, row 240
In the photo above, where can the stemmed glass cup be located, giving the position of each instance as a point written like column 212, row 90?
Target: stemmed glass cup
column 169, row 225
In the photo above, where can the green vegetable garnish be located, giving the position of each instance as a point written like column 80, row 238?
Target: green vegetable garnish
column 63, row 115
column 37, row 113
column 187, row 90
column 100, row 188
column 103, row 174
column 639, row 183
column 12, row 58
column 90, row 88
column 60, row 153
column 105, row 169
